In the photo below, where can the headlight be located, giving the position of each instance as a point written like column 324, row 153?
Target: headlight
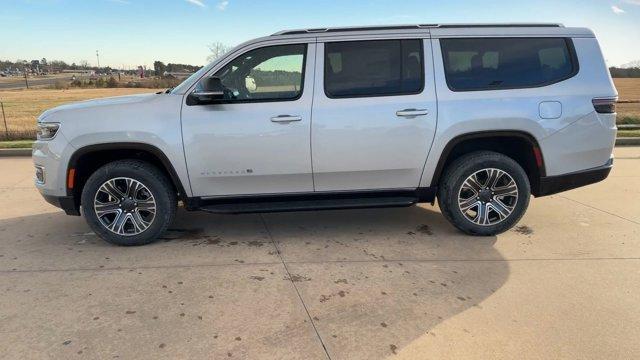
column 47, row 131
column 39, row 174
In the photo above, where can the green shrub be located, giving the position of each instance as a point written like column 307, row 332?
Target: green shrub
column 60, row 85
column 18, row 135
column 628, row 120
column 112, row 82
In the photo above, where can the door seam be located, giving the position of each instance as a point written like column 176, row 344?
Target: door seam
column 313, row 96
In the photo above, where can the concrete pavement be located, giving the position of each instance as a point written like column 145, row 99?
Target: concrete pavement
column 351, row 284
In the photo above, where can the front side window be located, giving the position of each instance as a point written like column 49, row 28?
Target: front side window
column 373, row 68
column 273, row 73
column 506, row 63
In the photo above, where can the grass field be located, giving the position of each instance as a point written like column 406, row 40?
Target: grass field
column 628, row 88
column 22, row 107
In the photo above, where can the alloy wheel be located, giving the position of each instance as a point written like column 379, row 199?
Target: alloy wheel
column 124, row 206
column 488, row 196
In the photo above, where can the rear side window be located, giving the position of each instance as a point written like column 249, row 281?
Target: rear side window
column 507, row 63
column 373, row 68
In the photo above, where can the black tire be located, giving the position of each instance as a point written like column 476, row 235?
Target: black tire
column 148, row 175
column 457, row 173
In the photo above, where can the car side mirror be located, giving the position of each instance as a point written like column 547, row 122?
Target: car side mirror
column 210, row 92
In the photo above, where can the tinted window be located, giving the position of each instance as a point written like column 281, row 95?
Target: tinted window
column 506, row 63
column 373, row 68
column 269, row 73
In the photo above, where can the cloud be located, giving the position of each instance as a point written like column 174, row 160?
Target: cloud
column 126, row 2
column 617, row 10
column 196, row 2
column 633, row 2
column 222, row 5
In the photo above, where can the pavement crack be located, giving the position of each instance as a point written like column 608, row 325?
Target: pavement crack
column 604, row 211
column 315, row 262
column 160, row 267
column 266, row 228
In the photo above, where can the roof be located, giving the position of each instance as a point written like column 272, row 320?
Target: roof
column 436, row 31
column 412, row 27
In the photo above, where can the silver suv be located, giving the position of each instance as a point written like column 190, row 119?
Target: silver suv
column 479, row 117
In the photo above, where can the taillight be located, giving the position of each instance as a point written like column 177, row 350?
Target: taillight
column 604, row 105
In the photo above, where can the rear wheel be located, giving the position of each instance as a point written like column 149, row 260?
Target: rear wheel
column 484, row 193
column 128, row 202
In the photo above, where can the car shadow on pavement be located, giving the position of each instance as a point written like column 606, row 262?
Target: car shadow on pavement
column 377, row 281
column 373, row 281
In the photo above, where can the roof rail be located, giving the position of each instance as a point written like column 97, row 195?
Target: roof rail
column 408, row 27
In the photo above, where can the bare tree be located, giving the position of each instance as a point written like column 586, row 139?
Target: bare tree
column 84, row 64
column 217, row 50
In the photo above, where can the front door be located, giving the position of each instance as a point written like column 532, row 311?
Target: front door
column 257, row 139
column 374, row 114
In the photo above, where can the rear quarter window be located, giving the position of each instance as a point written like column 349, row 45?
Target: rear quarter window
column 507, row 63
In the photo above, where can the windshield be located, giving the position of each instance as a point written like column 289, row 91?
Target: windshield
column 188, row 81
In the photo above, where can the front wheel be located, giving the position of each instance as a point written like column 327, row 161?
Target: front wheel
column 128, row 202
column 484, row 193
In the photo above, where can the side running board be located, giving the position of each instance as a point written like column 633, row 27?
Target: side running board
column 313, row 204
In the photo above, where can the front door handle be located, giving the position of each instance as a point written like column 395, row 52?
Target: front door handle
column 286, row 118
column 412, row 112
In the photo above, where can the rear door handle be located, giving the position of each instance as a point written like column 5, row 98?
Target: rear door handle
column 286, row 118
column 412, row 112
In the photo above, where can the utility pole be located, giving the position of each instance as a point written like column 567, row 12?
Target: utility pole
column 26, row 82
column 98, row 57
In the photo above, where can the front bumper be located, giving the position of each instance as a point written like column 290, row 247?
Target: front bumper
column 555, row 184
column 66, row 203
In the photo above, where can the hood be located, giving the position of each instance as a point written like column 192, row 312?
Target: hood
column 96, row 103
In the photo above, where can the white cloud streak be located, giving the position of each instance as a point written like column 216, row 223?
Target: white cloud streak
column 196, row 3
column 617, row 10
column 222, row 5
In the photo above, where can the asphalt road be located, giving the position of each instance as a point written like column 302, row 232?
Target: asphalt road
column 16, row 82
column 352, row 284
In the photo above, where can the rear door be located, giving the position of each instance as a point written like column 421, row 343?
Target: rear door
column 374, row 113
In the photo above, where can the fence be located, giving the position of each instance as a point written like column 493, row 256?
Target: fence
column 4, row 118
column 15, row 131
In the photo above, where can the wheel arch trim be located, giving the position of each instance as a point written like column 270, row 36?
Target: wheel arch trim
column 451, row 144
column 135, row 146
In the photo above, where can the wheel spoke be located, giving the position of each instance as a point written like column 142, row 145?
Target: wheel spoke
column 149, row 204
column 106, row 208
column 132, row 187
column 110, row 189
column 467, row 204
column 508, row 190
column 472, row 183
column 493, row 175
column 118, row 223
column 482, row 215
column 500, row 208
column 139, row 224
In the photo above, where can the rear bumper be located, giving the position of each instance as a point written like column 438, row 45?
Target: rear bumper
column 66, row 203
column 555, row 184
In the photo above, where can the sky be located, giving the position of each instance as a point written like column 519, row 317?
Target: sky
column 128, row 33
